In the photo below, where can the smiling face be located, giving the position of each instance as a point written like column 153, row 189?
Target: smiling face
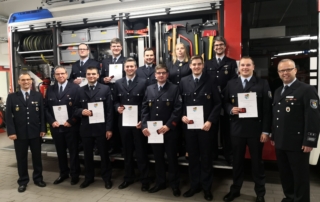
column 196, row 66
column 25, row 82
column 219, row 48
column 161, row 75
column 130, row 68
column 116, row 49
column 148, row 57
column 83, row 51
column 246, row 67
column 61, row 75
column 287, row 71
column 92, row 76
column 180, row 51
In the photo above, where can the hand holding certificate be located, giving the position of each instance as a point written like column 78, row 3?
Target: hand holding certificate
column 248, row 105
column 195, row 116
column 84, row 81
column 115, row 72
column 153, row 127
column 97, row 111
column 130, row 115
column 60, row 114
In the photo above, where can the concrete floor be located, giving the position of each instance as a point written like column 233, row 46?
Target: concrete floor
column 96, row 192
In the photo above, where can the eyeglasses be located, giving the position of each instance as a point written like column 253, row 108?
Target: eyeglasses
column 82, row 49
column 217, row 45
column 285, row 70
column 116, row 46
column 23, row 80
column 57, row 74
column 161, row 73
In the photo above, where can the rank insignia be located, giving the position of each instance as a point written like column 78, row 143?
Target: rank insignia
column 180, row 64
column 150, row 104
column 314, row 104
column 287, row 109
column 17, row 108
column 70, row 104
column 168, row 103
column 226, row 72
column 208, row 97
column 269, row 94
column 37, row 108
column 67, row 95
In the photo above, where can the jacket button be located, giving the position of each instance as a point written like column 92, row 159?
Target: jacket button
column 217, row 76
column 127, row 93
column 156, row 114
column 277, row 118
column 177, row 81
column 59, row 100
column 277, row 126
column 194, row 100
column 278, row 110
column 27, row 108
column 195, row 93
column 157, row 107
column 157, row 100
column 128, row 99
column 28, row 122
column 279, row 103
column 27, row 117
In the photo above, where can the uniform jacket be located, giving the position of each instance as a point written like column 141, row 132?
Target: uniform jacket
column 177, row 71
column 101, row 93
column 205, row 94
column 80, row 71
column 26, row 120
column 105, row 69
column 223, row 72
column 142, row 72
column 132, row 95
column 249, row 127
column 296, row 117
column 67, row 98
column 164, row 105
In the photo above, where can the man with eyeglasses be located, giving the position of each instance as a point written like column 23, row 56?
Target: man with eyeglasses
column 295, row 131
column 199, row 90
column 250, row 131
column 25, row 126
column 222, row 69
column 78, row 72
column 95, row 131
column 161, row 102
column 61, row 96
column 147, row 70
column 107, row 79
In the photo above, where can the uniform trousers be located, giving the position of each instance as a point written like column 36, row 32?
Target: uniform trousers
column 199, row 148
column 294, row 175
column 169, row 147
column 63, row 141
column 101, row 143
column 239, row 149
column 134, row 140
column 21, row 149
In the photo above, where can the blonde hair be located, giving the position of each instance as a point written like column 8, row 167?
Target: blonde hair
column 186, row 55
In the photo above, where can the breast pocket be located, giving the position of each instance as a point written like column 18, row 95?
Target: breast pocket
column 102, row 99
column 83, row 103
column 150, row 102
column 206, row 96
column 167, row 102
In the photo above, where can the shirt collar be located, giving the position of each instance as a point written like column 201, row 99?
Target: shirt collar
column 24, row 92
column 84, row 60
column 117, row 58
column 131, row 78
column 290, row 83
column 194, row 77
column 95, row 84
column 161, row 85
column 242, row 78
column 63, row 85
column 148, row 65
column 221, row 57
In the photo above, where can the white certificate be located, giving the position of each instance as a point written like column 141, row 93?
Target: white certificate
column 154, row 137
column 115, row 70
column 97, row 112
column 84, row 81
column 130, row 115
column 195, row 113
column 249, row 102
column 60, row 113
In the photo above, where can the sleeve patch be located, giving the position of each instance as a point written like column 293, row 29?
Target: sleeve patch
column 174, row 123
column 314, row 104
column 312, row 137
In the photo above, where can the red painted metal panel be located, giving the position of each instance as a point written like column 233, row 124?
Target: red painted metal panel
column 232, row 27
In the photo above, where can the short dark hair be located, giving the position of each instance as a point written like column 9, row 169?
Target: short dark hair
column 196, row 57
column 130, row 60
column 149, row 49
column 84, row 44
column 247, row 57
column 93, row 67
column 220, row 38
column 115, row 40
column 161, row 66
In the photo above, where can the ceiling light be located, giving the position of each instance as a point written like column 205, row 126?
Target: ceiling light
column 297, row 52
column 304, row 38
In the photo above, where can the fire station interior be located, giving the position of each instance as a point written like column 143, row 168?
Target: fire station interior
column 38, row 50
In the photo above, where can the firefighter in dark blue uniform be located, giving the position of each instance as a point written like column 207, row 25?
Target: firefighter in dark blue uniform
column 147, row 70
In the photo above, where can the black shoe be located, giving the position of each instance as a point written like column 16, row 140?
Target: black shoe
column 145, row 187
column 86, row 183
column 157, row 188
column 60, row 179
column 208, row 195
column 22, row 188
column 108, row 184
column 40, row 183
column 124, row 184
column 230, row 196
column 260, row 199
column 191, row 192
column 176, row 192
column 74, row 180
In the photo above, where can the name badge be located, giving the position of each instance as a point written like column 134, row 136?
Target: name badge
column 289, row 96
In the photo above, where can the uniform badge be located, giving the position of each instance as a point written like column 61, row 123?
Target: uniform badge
column 269, row 94
column 287, row 109
column 314, row 104
column 37, row 108
column 168, row 103
column 208, row 97
column 180, row 64
column 226, row 72
column 17, row 108
column 150, row 104
column 67, row 95
column 232, row 101
column 70, row 104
